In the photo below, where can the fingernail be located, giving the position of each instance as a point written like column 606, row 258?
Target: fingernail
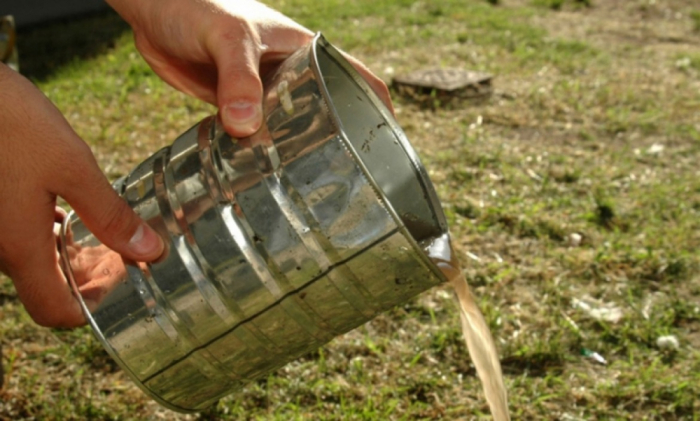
column 145, row 242
column 243, row 117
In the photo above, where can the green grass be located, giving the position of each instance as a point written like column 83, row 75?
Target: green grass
column 695, row 17
column 577, row 181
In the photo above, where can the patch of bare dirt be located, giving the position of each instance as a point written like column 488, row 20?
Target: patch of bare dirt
column 645, row 24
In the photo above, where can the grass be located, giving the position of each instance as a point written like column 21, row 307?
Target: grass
column 695, row 17
column 576, row 182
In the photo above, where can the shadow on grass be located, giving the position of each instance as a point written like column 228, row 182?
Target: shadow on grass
column 539, row 364
column 4, row 298
column 44, row 49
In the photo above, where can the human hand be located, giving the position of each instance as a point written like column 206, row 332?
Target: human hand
column 217, row 51
column 96, row 270
column 41, row 158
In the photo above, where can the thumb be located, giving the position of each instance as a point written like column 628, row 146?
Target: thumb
column 107, row 215
column 239, row 91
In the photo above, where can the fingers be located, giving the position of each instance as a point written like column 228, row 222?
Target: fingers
column 377, row 85
column 33, row 263
column 239, row 57
column 49, row 303
column 241, row 52
column 239, row 89
column 30, row 154
column 192, row 77
column 106, row 214
column 59, row 214
column 41, row 158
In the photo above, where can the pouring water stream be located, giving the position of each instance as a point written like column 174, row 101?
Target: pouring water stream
column 474, row 328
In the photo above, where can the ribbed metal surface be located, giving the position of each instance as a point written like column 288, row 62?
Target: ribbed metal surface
column 277, row 243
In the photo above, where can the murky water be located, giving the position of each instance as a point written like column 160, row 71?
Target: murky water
column 476, row 332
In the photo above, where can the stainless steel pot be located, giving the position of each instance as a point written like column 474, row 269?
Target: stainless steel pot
column 8, row 42
column 277, row 243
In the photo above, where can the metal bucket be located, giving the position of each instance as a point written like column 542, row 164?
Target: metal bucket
column 277, row 243
column 8, row 42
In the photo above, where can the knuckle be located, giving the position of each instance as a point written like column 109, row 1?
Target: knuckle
column 237, row 30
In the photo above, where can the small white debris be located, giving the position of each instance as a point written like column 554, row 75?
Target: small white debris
column 444, row 295
column 598, row 358
column 569, row 417
column 575, row 239
column 648, row 306
column 473, row 256
column 573, row 324
column 533, row 175
column 655, row 149
column 683, row 63
column 667, row 342
column 594, row 356
column 599, row 311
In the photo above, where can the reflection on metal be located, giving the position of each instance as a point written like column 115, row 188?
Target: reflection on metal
column 277, row 242
column 8, row 42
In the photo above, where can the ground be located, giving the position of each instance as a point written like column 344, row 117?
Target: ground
column 572, row 193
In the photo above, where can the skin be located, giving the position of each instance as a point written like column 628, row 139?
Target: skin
column 214, row 50
column 217, row 51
